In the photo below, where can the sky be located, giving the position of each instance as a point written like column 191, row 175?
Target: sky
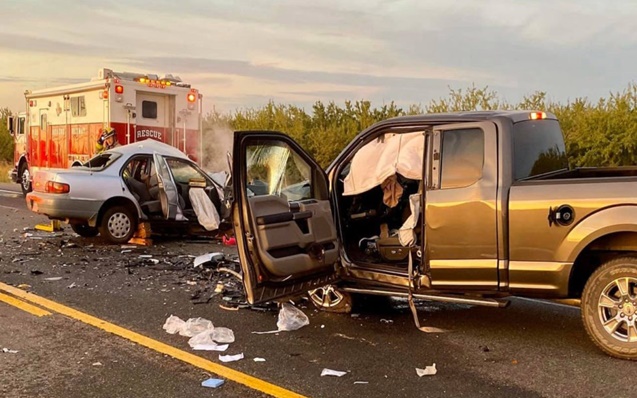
column 242, row 54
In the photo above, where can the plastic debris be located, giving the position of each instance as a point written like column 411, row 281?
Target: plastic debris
column 72, row 285
column 212, row 336
column 23, row 286
column 330, row 372
column 53, row 278
column 128, row 247
column 212, row 383
column 386, row 321
column 214, row 258
column 174, row 325
column 9, row 351
column 229, row 241
column 97, row 364
column 259, row 359
column 210, row 347
column 427, row 371
column 361, row 382
column 195, row 326
column 291, row 318
column 230, row 358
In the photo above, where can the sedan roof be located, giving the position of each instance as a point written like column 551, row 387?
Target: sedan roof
column 148, row 147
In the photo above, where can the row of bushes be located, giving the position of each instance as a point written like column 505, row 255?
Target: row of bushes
column 602, row 132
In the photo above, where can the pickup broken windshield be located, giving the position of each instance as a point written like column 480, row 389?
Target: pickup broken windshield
column 538, row 148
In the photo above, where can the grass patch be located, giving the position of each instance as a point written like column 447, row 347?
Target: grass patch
column 5, row 167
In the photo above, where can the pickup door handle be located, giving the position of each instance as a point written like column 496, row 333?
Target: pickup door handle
column 283, row 217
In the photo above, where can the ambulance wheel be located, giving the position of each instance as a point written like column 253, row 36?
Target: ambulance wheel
column 25, row 177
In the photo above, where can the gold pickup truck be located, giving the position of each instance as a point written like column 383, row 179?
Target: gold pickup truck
column 459, row 207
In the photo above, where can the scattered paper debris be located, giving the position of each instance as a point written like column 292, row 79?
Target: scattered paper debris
column 9, row 351
column 427, row 371
column 128, row 247
column 191, row 283
column 23, row 286
column 259, row 359
column 230, row 358
column 72, row 285
column 361, row 382
column 97, row 364
column 330, row 372
column 53, row 278
column 210, row 347
column 212, row 383
column 386, row 321
column 145, row 256
column 126, row 251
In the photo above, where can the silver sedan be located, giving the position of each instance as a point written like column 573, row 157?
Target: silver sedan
column 115, row 191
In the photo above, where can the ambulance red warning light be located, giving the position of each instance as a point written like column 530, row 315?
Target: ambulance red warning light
column 192, row 99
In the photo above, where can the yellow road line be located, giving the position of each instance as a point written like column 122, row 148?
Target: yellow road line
column 223, row 371
column 31, row 309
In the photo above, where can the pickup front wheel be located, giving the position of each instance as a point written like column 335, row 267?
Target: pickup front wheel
column 609, row 308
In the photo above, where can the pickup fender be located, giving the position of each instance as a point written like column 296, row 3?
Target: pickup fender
column 603, row 222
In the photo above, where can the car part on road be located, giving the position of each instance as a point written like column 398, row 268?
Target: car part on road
column 609, row 308
column 84, row 230
column 118, row 225
column 212, row 383
column 331, row 299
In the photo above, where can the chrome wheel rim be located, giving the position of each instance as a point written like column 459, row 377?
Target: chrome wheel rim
column 119, row 225
column 326, row 296
column 26, row 179
column 617, row 309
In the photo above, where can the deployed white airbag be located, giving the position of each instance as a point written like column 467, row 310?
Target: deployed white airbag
column 392, row 153
column 204, row 209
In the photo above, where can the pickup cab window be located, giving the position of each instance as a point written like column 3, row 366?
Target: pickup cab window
column 538, row 148
column 462, row 157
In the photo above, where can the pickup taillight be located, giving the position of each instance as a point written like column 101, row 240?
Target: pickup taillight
column 56, row 187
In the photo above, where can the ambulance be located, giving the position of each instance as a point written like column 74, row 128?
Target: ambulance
column 61, row 125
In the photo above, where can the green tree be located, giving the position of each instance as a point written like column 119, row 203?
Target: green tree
column 6, row 141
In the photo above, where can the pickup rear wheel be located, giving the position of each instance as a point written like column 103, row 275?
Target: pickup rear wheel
column 118, row 225
column 329, row 298
column 609, row 308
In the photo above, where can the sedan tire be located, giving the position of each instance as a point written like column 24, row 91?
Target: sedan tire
column 118, row 225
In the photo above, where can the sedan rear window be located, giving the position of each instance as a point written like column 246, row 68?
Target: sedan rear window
column 101, row 161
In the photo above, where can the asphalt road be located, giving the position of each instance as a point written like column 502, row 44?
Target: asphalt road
column 529, row 349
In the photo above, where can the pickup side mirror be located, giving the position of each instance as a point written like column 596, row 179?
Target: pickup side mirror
column 11, row 125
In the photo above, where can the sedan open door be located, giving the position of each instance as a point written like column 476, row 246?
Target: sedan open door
column 168, row 194
column 286, row 236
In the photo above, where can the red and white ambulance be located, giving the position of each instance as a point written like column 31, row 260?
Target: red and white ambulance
column 62, row 124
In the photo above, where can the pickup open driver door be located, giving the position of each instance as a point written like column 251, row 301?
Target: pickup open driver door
column 168, row 194
column 283, row 221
